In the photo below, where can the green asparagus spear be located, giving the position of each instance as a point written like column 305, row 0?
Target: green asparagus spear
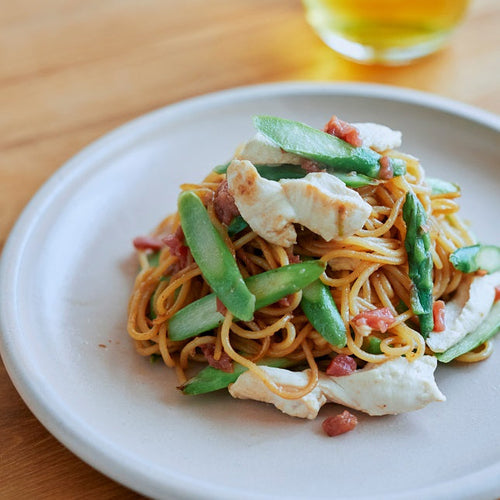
column 275, row 173
column 268, row 287
column 372, row 345
column 487, row 329
column 275, row 284
column 236, row 225
column 418, row 244
column 352, row 179
column 286, row 171
column 154, row 258
column 438, row 186
column 471, row 259
column 214, row 258
column 221, row 169
column 326, row 149
column 211, row 379
column 321, row 310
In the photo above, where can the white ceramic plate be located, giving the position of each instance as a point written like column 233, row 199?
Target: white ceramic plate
column 68, row 268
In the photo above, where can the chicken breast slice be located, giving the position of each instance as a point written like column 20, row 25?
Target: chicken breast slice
column 319, row 201
column 378, row 137
column 261, row 151
column 262, row 203
column 250, row 386
column 325, row 205
column 396, row 386
column 466, row 311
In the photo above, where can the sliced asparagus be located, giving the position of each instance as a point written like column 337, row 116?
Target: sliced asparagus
column 472, row 258
column 326, row 149
column 487, row 329
column 418, row 244
column 211, row 379
column 268, row 287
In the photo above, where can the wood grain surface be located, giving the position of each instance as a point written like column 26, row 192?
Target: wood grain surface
column 72, row 70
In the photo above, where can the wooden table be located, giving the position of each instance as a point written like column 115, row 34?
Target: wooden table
column 71, row 70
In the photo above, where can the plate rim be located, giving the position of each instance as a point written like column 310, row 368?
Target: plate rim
column 73, row 438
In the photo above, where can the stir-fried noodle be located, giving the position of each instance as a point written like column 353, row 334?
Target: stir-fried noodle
column 365, row 271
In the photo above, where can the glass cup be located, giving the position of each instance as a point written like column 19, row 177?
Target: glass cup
column 384, row 31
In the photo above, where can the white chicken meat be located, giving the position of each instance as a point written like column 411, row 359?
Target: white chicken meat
column 262, row 203
column 466, row 311
column 396, row 386
column 378, row 137
column 325, row 205
column 319, row 201
column 261, row 151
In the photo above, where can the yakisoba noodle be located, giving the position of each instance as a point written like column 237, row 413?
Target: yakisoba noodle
column 368, row 270
column 379, row 280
